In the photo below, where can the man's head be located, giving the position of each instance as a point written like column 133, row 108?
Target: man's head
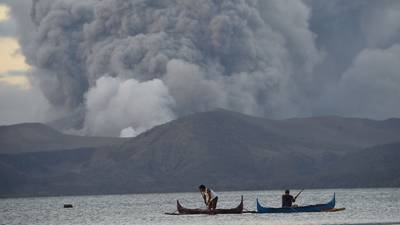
column 287, row 192
column 202, row 187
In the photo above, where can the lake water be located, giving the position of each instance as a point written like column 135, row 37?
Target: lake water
column 374, row 206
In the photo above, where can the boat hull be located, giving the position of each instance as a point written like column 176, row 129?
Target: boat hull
column 309, row 208
column 236, row 210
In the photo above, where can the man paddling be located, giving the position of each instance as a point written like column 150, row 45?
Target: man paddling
column 209, row 196
column 288, row 199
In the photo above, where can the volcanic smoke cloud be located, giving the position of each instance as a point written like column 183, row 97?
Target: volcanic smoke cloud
column 129, row 65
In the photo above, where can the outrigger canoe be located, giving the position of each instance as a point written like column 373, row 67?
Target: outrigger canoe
column 183, row 210
column 328, row 207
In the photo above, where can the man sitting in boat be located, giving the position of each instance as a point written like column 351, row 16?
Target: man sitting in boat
column 287, row 199
column 209, row 196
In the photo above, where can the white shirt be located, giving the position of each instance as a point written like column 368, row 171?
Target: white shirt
column 212, row 194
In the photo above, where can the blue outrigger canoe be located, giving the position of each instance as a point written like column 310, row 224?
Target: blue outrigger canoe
column 330, row 206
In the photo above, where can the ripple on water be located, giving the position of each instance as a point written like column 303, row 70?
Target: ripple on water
column 363, row 206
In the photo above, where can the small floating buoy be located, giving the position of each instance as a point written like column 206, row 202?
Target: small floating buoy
column 68, row 206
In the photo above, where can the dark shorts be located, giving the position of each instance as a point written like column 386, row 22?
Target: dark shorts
column 213, row 203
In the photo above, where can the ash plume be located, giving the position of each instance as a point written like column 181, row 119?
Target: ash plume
column 132, row 64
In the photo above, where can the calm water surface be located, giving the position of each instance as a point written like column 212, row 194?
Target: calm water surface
column 362, row 206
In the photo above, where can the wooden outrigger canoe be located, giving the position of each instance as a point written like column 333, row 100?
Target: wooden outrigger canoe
column 185, row 211
column 327, row 207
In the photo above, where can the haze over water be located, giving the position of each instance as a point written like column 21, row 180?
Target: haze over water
column 362, row 206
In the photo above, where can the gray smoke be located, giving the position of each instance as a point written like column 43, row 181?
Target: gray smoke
column 133, row 64
column 360, row 72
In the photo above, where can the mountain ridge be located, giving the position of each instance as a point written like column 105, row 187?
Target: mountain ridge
column 35, row 137
column 228, row 150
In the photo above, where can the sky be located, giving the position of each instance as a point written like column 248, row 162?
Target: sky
column 120, row 67
column 15, row 88
column 12, row 60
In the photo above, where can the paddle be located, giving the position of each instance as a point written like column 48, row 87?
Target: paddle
column 299, row 193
